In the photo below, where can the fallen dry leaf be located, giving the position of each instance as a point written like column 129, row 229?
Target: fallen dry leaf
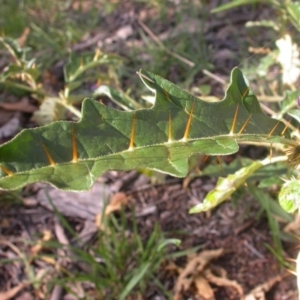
column 203, row 288
column 84, row 205
column 116, row 202
column 25, row 296
column 222, row 281
column 193, row 268
column 124, row 32
column 259, row 292
column 57, row 293
column 47, row 236
column 259, row 50
column 22, row 39
column 12, row 292
column 199, row 274
column 293, row 227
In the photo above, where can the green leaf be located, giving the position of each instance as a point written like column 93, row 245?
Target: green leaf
column 72, row 156
column 14, row 48
column 13, row 70
column 167, row 242
column 289, row 196
column 268, row 175
column 267, row 182
column 267, row 203
column 236, row 3
column 119, row 98
column 295, row 113
column 293, row 10
column 289, row 102
column 76, row 68
column 135, row 280
column 226, row 187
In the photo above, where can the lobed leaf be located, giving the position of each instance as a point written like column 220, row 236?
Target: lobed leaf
column 72, row 156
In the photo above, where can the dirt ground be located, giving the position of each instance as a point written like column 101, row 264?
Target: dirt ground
column 233, row 227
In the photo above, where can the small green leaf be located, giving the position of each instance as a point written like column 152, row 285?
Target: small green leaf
column 226, row 187
column 77, row 66
column 235, row 3
column 135, row 280
column 293, row 9
column 119, row 98
column 163, row 244
column 289, row 102
column 289, row 196
column 295, row 113
column 14, row 48
column 267, row 203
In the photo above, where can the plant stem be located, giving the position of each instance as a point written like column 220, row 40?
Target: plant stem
column 24, row 87
column 71, row 108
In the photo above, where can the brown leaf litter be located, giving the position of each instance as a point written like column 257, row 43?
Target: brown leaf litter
column 199, row 273
column 13, row 291
column 117, row 201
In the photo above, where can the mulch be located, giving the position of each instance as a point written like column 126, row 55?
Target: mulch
column 233, row 226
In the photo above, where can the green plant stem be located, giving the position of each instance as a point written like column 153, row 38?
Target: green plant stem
column 24, row 87
column 71, row 108
column 278, row 116
column 88, row 66
column 162, row 46
column 273, row 160
column 241, row 140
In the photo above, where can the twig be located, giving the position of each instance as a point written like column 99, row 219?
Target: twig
column 213, row 76
column 266, row 98
column 160, row 44
column 273, row 113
